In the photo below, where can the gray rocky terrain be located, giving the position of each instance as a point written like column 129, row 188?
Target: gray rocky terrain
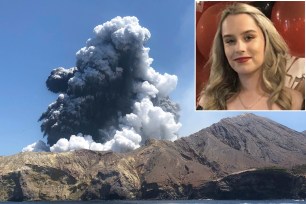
column 244, row 157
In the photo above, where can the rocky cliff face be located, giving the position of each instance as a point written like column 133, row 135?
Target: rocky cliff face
column 248, row 141
column 254, row 184
column 237, row 158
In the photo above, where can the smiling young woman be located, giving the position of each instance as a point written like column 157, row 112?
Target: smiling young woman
column 248, row 65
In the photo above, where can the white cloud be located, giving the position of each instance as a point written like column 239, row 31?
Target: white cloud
column 38, row 146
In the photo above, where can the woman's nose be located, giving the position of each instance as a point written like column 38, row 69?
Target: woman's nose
column 240, row 46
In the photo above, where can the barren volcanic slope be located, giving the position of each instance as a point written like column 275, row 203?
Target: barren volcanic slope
column 247, row 141
column 219, row 162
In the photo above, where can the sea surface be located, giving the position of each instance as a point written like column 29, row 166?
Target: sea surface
column 171, row 202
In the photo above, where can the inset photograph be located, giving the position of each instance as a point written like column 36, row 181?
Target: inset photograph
column 250, row 56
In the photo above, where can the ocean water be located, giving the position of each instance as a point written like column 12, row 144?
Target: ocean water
column 172, row 202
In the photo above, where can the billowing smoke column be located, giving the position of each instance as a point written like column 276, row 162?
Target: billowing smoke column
column 113, row 97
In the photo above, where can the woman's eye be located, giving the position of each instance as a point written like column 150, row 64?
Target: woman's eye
column 229, row 41
column 249, row 37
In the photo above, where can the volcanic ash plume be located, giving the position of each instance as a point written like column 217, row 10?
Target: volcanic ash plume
column 113, row 97
column 39, row 146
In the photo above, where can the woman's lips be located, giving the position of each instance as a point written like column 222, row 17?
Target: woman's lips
column 242, row 59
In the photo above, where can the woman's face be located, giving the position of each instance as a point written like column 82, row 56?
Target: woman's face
column 244, row 43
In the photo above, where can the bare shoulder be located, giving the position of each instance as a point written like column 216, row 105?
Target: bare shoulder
column 297, row 99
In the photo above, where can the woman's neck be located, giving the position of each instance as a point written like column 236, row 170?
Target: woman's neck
column 251, row 83
column 251, row 95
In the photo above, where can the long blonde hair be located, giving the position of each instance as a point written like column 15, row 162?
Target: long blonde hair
column 224, row 82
